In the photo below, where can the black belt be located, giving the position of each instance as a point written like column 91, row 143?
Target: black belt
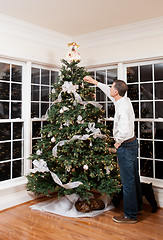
column 130, row 140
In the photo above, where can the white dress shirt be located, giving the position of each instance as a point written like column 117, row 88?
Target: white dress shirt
column 123, row 128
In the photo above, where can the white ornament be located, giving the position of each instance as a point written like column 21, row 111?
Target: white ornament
column 53, row 90
column 63, row 109
column 108, row 170
column 38, row 152
column 53, row 139
column 85, row 167
column 40, row 166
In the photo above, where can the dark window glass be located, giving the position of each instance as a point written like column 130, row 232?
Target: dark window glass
column 110, row 127
column 5, row 131
column 159, row 109
column 16, row 110
column 146, row 73
column 45, row 77
column 136, row 129
column 159, row 169
column 34, row 142
column 146, row 167
column 158, row 150
column 111, row 75
column 146, row 149
column 17, row 149
column 4, row 110
column 100, row 96
column 158, row 130
column 5, row 151
column 34, row 93
column 147, row 110
column 17, row 131
column 136, row 109
column 5, row 171
column 5, row 71
column 146, row 130
column 111, row 110
column 133, row 92
column 35, row 78
column 101, row 76
column 34, row 110
column 44, row 108
column 159, row 90
column 44, row 93
column 4, row 91
column 16, row 91
column 54, row 77
column 16, row 169
column 158, row 71
column 132, row 74
column 16, row 74
column 146, row 91
column 36, row 129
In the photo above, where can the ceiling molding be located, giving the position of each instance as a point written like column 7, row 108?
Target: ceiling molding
column 25, row 30
column 127, row 32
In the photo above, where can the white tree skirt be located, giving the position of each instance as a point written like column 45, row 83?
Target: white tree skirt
column 65, row 206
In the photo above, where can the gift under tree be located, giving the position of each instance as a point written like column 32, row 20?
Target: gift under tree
column 74, row 154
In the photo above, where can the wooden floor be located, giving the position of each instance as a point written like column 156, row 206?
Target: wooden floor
column 22, row 223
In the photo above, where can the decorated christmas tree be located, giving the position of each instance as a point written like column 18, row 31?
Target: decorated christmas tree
column 74, row 154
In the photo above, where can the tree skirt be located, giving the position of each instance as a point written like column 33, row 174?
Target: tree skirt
column 65, row 206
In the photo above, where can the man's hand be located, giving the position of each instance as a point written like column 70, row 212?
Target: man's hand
column 117, row 145
column 90, row 80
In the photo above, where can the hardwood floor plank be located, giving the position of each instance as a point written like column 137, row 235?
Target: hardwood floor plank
column 23, row 223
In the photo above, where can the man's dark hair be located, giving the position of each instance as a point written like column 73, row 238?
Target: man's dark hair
column 121, row 87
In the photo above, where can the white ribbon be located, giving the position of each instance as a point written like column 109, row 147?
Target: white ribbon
column 96, row 131
column 41, row 166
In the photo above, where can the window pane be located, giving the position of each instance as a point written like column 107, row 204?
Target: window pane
column 36, row 129
column 16, row 110
column 110, row 127
column 16, row 91
column 146, row 73
column 146, row 149
column 111, row 75
column 159, row 90
column 146, row 130
column 17, row 169
column 132, row 74
column 4, row 110
column 16, row 75
column 147, row 110
column 5, row 151
column 159, row 169
column 158, row 130
column 34, row 93
column 133, row 92
column 5, row 171
column 4, row 91
column 4, row 71
column 17, row 131
column 100, row 96
column 159, row 109
column 158, row 150
column 146, row 91
column 54, row 76
column 158, row 71
column 44, row 108
column 5, row 131
column 146, row 167
column 34, row 142
column 136, row 109
column 136, row 128
column 17, row 149
column 44, row 76
column 45, row 93
column 100, row 76
column 111, row 110
column 35, row 78
column 34, row 110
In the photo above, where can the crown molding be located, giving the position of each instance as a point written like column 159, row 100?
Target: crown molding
column 24, row 30
column 127, row 32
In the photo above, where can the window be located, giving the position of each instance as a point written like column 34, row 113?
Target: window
column 11, row 124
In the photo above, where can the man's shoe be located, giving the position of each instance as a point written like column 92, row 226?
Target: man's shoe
column 123, row 219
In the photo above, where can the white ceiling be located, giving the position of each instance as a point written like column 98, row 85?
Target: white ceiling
column 77, row 17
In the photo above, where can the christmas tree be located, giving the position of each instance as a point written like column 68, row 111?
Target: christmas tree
column 74, row 154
